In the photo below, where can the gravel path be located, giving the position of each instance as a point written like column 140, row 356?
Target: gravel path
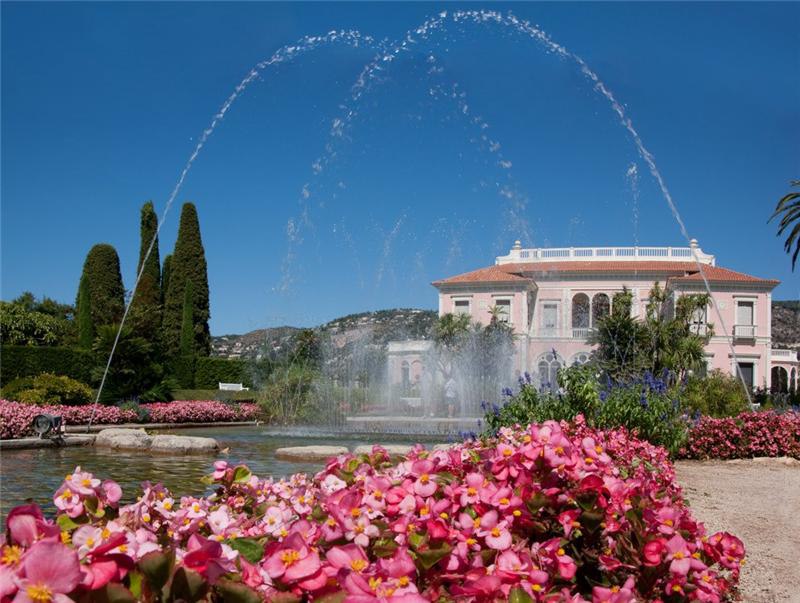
column 758, row 500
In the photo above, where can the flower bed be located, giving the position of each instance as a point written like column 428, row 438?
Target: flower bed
column 747, row 435
column 15, row 418
column 555, row 512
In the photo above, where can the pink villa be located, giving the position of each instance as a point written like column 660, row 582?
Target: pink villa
column 552, row 298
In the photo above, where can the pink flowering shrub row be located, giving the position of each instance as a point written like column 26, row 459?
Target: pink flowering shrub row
column 15, row 418
column 554, row 512
column 744, row 436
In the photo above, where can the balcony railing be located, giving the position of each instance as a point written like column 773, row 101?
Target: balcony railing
column 581, row 333
column 605, row 254
column 787, row 354
column 744, row 331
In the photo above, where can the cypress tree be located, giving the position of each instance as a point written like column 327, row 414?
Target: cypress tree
column 104, row 282
column 188, row 264
column 145, row 313
column 186, row 361
column 165, row 272
column 85, row 326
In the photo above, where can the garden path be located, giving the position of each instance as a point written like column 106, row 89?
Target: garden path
column 758, row 500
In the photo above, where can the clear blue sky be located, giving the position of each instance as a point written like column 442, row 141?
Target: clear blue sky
column 102, row 104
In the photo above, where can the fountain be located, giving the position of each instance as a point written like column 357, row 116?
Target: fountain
column 362, row 389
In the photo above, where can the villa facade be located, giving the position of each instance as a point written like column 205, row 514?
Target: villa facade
column 553, row 298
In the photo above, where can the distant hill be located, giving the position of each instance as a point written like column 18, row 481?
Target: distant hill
column 373, row 328
column 786, row 324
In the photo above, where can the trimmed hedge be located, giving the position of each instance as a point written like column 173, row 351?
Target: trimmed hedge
column 210, row 372
column 28, row 361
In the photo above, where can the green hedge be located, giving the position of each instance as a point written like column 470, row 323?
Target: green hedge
column 210, row 372
column 28, row 361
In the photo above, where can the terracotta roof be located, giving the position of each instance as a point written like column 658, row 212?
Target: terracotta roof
column 678, row 271
column 492, row 274
column 717, row 274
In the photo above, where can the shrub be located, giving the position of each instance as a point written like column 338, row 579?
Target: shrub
column 645, row 406
column 551, row 513
column 29, row 361
column 210, row 372
column 716, row 395
column 747, row 435
column 48, row 389
column 142, row 414
column 286, row 397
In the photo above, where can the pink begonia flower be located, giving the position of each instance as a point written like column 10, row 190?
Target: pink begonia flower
column 25, row 525
column 494, row 532
column 8, row 581
column 569, row 520
column 291, row 560
column 220, row 469
column 332, row 484
column 207, row 557
column 112, row 492
column 679, row 556
column 380, row 589
column 615, row 594
column 653, row 552
column 82, row 482
column 68, row 501
column 350, row 557
column 51, row 572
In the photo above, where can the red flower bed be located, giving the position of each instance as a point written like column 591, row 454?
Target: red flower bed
column 553, row 512
column 747, row 435
column 15, row 418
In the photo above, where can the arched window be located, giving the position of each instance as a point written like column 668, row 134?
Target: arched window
column 601, row 306
column 580, row 358
column 780, row 380
column 405, row 375
column 580, row 316
column 548, row 366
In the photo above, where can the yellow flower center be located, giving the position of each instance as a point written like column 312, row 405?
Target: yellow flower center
column 536, row 587
column 105, row 533
column 66, row 494
column 86, row 482
column 374, row 583
column 424, row 478
column 471, row 541
column 123, row 548
column 355, row 512
column 615, row 589
column 471, row 491
column 424, row 511
column 560, row 552
column 146, row 518
column 696, row 555
column 66, row 537
column 508, row 452
column 69, row 477
column 676, row 588
column 559, row 450
column 444, row 515
column 289, row 557
column 598, row 449
column 476, row 523
column 504, row 501
column 11, row 555
column 196, row 508
column 168, row 505
column 377, row 495
column 495, row 532
column 403, row 580
column 678, row 555
column 39, row 593
column 331, row 521
column 706, row 578
column 668, row 522
column 358, row 564
column 516, row 512
column 526, row 438
column 588, row 460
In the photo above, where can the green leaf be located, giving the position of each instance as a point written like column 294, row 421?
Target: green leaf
column 241, row 474
column 157, row 567
column 249, row 548
column 66, row 523
column 518, row 595
column 112, row 593
column 187, row 585
column 385, row 547
column 427, row 559
column 337, row 597
column 135, row 584
column 416, row 539
column 236, row 592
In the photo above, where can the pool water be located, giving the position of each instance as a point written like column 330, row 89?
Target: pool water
column 34, row 475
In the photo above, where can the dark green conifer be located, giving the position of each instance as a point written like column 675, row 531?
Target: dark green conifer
column 104, row 282
column 145, row 312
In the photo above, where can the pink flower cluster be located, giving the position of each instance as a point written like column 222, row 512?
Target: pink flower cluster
column 748, row 435
column 554, row 512
column 15, row 418
column 200, row 411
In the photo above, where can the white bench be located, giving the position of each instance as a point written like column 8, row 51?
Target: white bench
column 232, row 387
